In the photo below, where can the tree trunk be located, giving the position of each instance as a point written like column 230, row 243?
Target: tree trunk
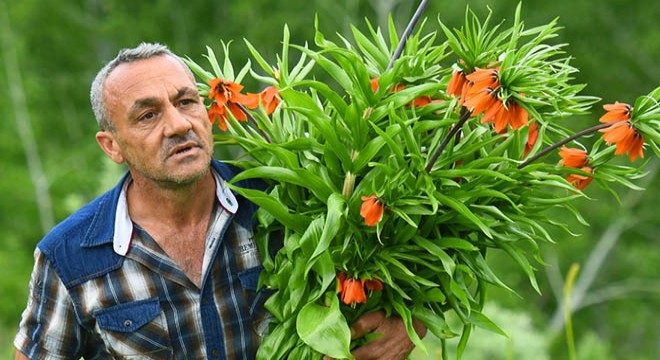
column 23, row 125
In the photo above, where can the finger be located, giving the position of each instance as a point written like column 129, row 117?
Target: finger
column 366, row 324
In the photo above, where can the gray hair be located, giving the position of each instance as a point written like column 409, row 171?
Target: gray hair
column 141, row 52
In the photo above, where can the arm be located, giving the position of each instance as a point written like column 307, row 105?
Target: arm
column 48, row 325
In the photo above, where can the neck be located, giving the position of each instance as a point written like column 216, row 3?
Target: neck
column 150, row 202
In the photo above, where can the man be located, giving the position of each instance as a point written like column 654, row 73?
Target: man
column 163, row 265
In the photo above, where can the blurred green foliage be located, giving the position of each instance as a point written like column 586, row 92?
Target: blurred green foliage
column 59, row 46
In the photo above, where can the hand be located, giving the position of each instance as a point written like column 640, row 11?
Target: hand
column 394, row 344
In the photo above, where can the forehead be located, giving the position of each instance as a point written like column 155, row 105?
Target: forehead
column 154, row 77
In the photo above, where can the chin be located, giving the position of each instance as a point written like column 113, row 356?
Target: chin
column 189, row 177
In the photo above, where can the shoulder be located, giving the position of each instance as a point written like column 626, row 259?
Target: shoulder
column 82, row 243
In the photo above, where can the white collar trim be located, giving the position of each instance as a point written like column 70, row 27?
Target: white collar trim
column 123, row 224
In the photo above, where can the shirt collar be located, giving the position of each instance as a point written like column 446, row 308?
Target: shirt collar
column 123, row 233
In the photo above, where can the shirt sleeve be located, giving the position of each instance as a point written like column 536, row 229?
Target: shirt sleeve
column 48, row 327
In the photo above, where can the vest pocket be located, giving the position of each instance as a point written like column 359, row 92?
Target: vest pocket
column 135, row 330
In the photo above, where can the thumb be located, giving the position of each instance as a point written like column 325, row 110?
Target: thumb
column 366, row 324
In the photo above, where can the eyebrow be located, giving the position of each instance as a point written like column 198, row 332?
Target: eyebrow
column 146, row 102
column 185, row 91
column 140, row 104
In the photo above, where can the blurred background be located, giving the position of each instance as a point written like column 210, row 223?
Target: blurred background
column 50, row 163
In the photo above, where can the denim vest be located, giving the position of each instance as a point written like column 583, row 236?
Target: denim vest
column 88, row 234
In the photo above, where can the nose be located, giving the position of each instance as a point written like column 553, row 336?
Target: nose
column 176, row 123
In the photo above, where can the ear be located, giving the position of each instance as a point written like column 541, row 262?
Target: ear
column 109, row 145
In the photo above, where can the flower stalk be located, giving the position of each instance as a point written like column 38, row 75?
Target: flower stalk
column 465, row 115
column 255, row 123
column 407, row 32
column 566, row 141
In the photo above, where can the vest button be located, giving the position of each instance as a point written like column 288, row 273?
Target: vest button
column 128, row 323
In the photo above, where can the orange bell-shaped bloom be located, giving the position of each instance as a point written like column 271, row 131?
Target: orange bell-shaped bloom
column 616, row 112
column 573, row 158
column 353, row 292
column 341, row 277
column 484, row 78
column 480, row 101
column 227, row 94
column 371, row 210
column 374, row 84
column 580, row 181
column 626, row 138
column 503, row 115
column 373, row 285
column 270, row 98
column 532, row 136
column 456, row 84
column 217, row 112
column 518, row 116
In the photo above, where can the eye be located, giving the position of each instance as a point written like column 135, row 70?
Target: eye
column 187, row 102
column 148, row 116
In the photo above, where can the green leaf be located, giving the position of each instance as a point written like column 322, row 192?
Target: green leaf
column 436, row 250
column 325, row 329
column 519, row 258
column 463, row 210
column 406, row 316
column 300, row 177
column 434, row 322
column 274, row 207
column 305, row 105
column 462, row 343
column 332, row 223
column 279, row 342
column 484, row 322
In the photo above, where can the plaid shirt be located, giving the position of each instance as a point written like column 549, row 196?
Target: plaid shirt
column 143, row 305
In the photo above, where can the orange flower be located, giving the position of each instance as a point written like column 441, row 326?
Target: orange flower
column 518, row 116
column 374, row 84
column 532, row 136
column 270, row 97
column 626, row 138
column 504, row 114
column 352, row 291
column 574, row 158
column 228, row 97
column 220, row 113
column 371, row 210
column 341, row 277
column 479, row 101
column 580, row 181
column 484, row 78
column 456, row 84
column 423, row 101
column 373, row 285
column 616, row 112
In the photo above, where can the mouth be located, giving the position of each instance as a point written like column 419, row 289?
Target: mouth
column 183, row 149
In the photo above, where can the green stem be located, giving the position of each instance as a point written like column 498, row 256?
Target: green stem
column 566, row 141
column 407, row 32
column 568, row 287
column 465, row 115
column 255, row 123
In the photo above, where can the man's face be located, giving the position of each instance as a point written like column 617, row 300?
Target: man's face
column 161, row 129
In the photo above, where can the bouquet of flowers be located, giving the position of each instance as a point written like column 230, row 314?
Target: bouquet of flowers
column 393, row 179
